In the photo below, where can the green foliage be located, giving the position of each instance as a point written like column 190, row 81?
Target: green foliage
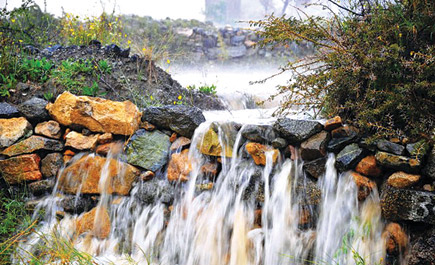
column 34, row 70
column 104, row 67
column 70, row 74
column 206, row 89
column 373, row 66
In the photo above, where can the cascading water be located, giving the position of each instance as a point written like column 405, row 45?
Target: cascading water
column 252, row 215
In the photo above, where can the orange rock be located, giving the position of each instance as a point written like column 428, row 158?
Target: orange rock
column 344, row 131
column 119, row 176
column 96, row 221
column 147, row 126
column 257, row 217
column 402, row 180
column 69, row 153
column 81, row 142
column 20, row 168
column 147, row 175
column 210, row 169
column 258, row 153
column 173, row 137
column 49, row 128
column 96, row 114
column 180, row 143
column 333, row 123
column 179, row 166
column 115, row 148
column 11, row 130
column 104, row 138
column 364, row 184
column 396, row 239
column 368, row 167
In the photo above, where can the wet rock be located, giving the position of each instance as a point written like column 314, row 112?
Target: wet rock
column 8, row 111
column 429, row 169
column 333, row 123
column 114, row 149
column 156, row 190
column 349, row 157
column 178, row 118
column 81, row 142
column 315, row 146
column 96, row 221
column 402, row 180
column 179, row 166
column 279, row 143
column 34, row 109
column 258, row 153
column 74, row 205
column 422, row 250
column 12, row 130
column 32, row 144
column 210, row 145
column 368, row 167
column 396, row 239
column 50, row 129
column 51, row 164
column 258, row 133
column 418, row 149
column 409, row 205
column 119, row 176
column 315, row 168
column 148, row 150
column 95, row 114
column 397, row 162
column 180, row 143
column 296, row 131
column 364, row 185
column 210, row 169
column 42, row 187
column 147, row 175
column 310, row 194
column 21, row 168
column 390, row 147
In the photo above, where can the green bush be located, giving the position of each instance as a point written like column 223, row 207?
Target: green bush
column 374, row 66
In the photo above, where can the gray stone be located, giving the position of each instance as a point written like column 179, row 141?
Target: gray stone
column 422, row 250
column 315, row 146
column 349, row 157
column 408, row 205
column 336, row 144
column 407, row 164
column 8, row 111
column 34, row 109
column 390, row 147
column 178, row 118
column 315, row 168
column 236, row 51
column 258, row 133
column 51, row 164
column 279, row 143
column 296, row 131
column 155, row 190
column 42, row 187
column 72, row 204
column 32, row 144
column 429, row 169
column 148, row 150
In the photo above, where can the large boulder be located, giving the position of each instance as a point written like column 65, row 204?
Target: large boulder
column 178, row 118
column 34, row 109
column 96, row 114
column 12, row 130
column 148, row 150
column 296, row 131
column 21, row 168
column 84, row 174
column 409, row 205
column 32, row 144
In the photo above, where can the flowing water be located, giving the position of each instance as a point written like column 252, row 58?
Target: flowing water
column 252, row 215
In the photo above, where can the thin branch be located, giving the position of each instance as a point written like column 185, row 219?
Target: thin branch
column 345, row 8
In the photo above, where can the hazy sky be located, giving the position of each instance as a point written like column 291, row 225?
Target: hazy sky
column 158, row 9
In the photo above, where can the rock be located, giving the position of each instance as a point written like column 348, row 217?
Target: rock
column 104, row 138
column 308, row 191
column 258, row 153
column 402, row 180
column 147, row 175
column 96, row 221
column 32, row 144
column 344, row 131
column 236, row 51
column 34, row 109
column 81, row 142
column 333, row 123
column 8, row 111
column 296, row 131
column 336, row 144
column 51, row 164
column 178, row 118
column 95, row 114
column 74, row 205
column 180, row 143
column 390, row 147
column 409, row 205
column 397, row 162
column 429, row 169
column 173, row 137
column 315, row 168
column 147, row 126
column 396, row 239
column 315, row 146
column 279, row 143
column 155, row 190
column 364, row 185
column 21, row 168
column 42, row 187
column 210, row 145
column 368, row 167
column 422, row 250
column 120, row 176
column 50, row 129
column 14, row 129
column 210, row 169
column 179, row 166
column 349, row 157
column 258, row 133
column 114, row 149
column 148, row 150
column 418, row 149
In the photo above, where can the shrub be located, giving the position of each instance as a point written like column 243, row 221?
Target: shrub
column 373, row 65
